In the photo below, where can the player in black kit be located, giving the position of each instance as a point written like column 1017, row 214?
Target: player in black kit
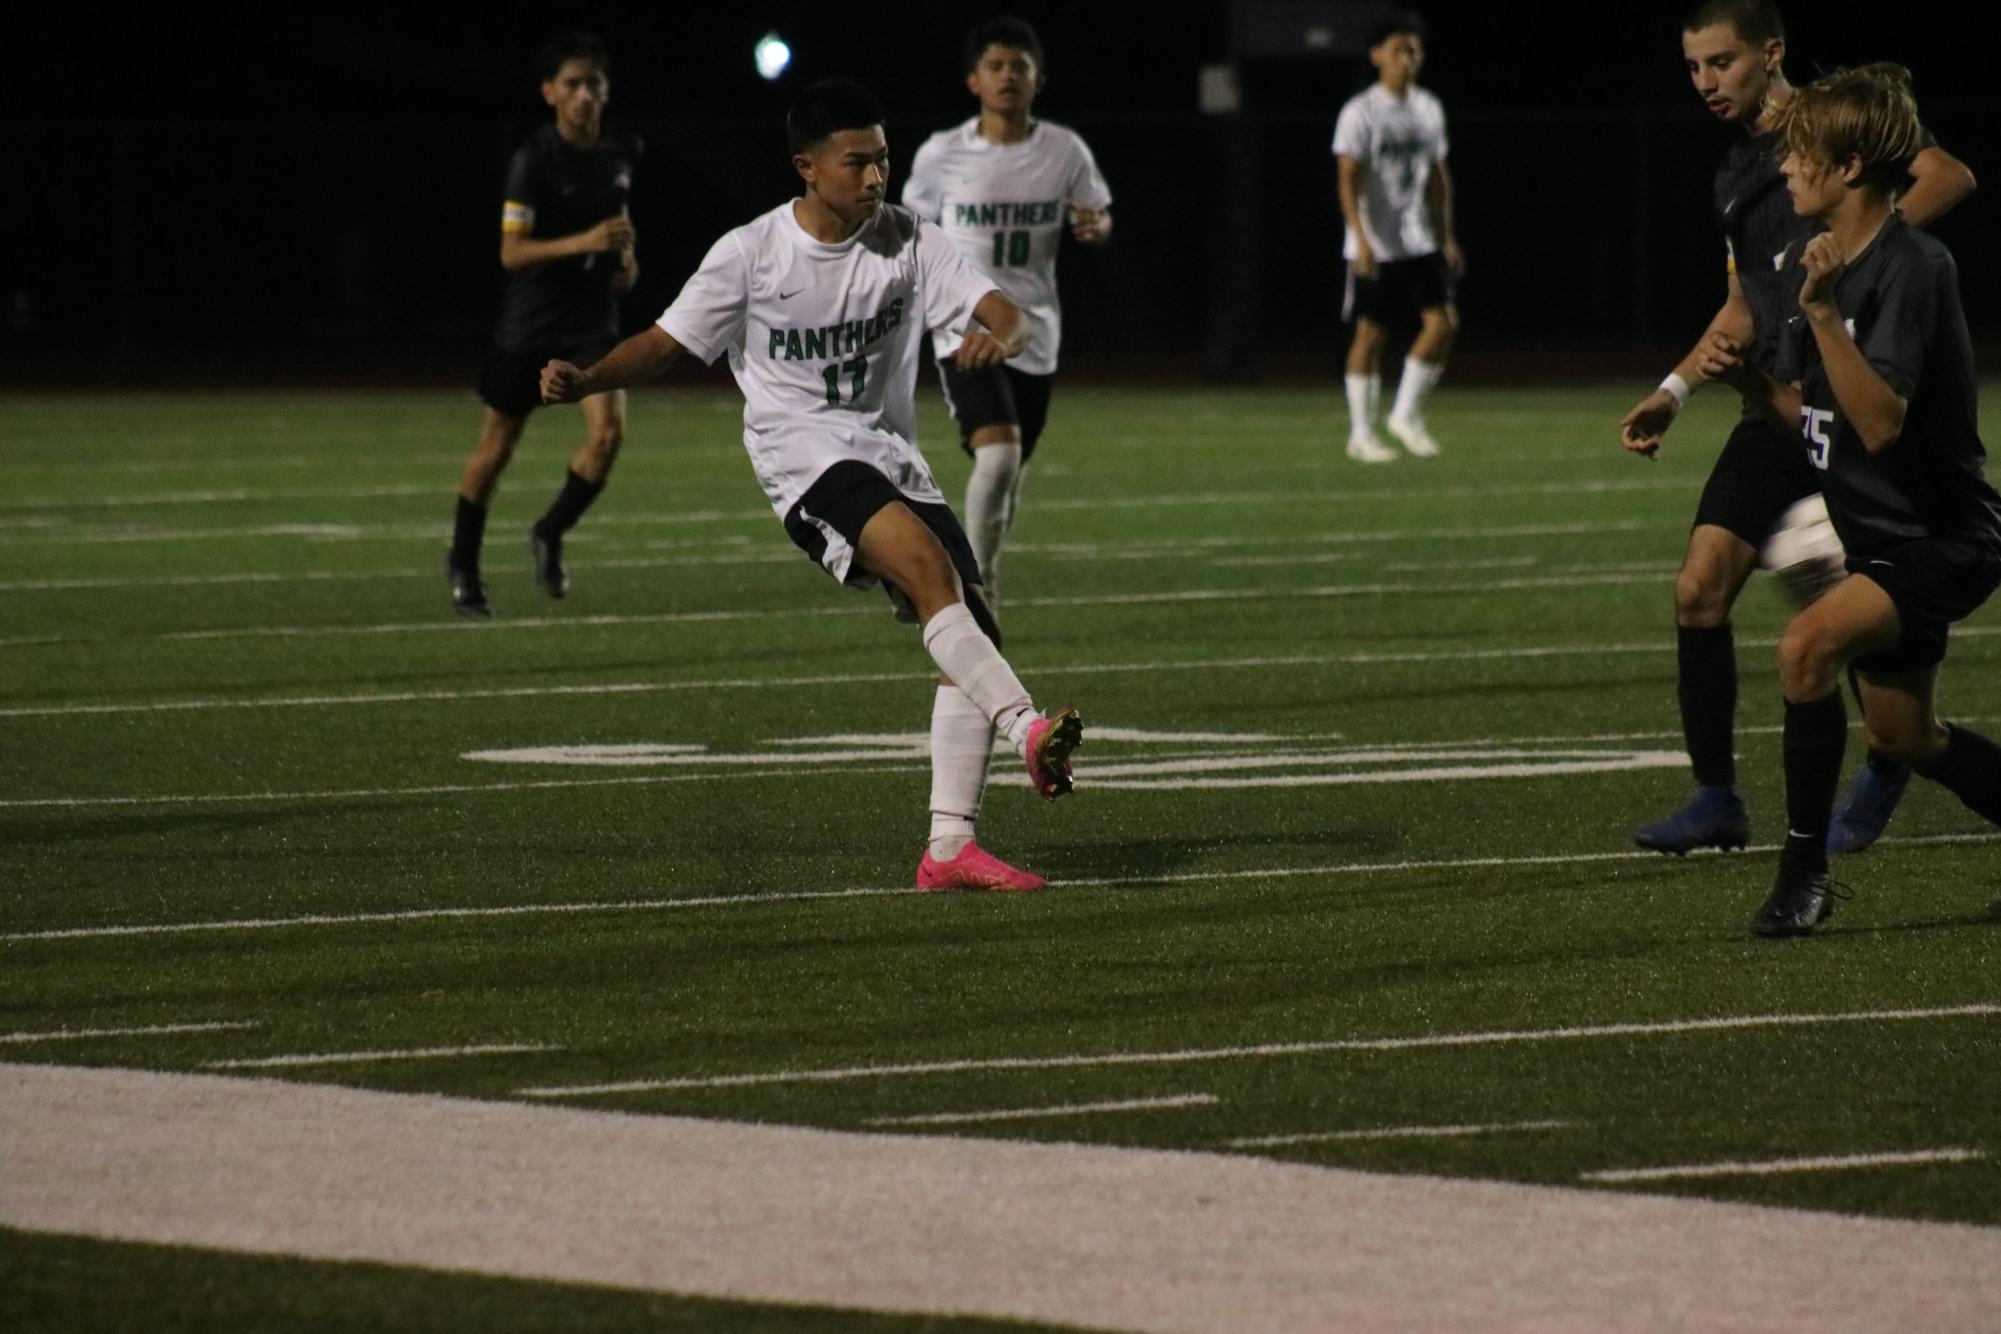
column 1734, row 51
column 566, row 242
column 1875, row 370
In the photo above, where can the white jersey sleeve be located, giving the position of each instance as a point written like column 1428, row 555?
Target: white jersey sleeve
column 708, row 317
column 923, row 189
column 950, row 286
column 1087, row 184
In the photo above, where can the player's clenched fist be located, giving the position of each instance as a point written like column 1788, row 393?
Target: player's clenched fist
column 979, row 350
column 1823, row 262
column 561, row 383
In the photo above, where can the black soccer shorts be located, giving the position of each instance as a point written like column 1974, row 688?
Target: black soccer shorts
column 826, row 523
column 997, row 396
column 510, row 380
column 1761, row 473
column 1401, row 290
column 1933, row 582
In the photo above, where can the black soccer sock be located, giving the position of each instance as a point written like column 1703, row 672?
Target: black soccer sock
column 468, row 531
column 1970, row 769
column 569, row 504
column 1707, row 660
column 1816, row 734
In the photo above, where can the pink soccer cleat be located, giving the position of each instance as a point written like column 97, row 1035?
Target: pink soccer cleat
column 973, row 868
column 1050, row 742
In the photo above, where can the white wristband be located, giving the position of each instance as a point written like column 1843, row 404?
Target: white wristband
column 1677, row 387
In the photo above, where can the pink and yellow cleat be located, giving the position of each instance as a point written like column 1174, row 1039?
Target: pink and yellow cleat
column 973, row 868
column 1050, row 743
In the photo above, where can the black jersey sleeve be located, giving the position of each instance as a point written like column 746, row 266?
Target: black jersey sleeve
column 522, row 196
column 1901, row 335
column 1789, row 346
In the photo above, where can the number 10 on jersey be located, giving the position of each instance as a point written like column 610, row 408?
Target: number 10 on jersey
column 856, row 369
column 1010, row 249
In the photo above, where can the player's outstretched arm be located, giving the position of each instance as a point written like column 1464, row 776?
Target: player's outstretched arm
column 524, row 252
column 635, row 361
column 1939, row 182
column 1642, row 429
column 1005, row 334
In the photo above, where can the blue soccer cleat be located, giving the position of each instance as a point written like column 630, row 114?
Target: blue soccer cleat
column 1865, row 809
column 1713, row 818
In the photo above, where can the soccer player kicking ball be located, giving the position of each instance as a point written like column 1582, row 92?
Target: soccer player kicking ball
column 1876, row 373
column 1003, row 186
column 819, row 305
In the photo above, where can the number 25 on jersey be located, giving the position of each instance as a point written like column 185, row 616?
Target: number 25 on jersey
column 1813, row 425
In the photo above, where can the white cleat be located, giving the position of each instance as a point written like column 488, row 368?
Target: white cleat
column 1368, row 449
column 1413, row 437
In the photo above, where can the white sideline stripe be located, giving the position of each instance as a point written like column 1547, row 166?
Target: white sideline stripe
column 147, row 1030
column 368, row 1057
column 1073, row 1235
column 1482, row 587
column 1393, row 1132
column 863, row 892
column 1193, row 1055
column 1778, row 1166
column 1142, row 548
column 1032, row 1113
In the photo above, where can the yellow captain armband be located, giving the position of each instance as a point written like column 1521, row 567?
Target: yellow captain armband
column 517, row 219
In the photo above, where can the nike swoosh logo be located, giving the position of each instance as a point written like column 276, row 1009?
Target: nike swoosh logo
column 787, row 296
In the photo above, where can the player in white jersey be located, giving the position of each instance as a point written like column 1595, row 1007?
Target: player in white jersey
column 819, row 305
column 1403, row 257
column 1004, row 186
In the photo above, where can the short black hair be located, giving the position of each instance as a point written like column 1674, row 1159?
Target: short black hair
column 1393, row 22
column 1754, row 21
column 565, row 47
column 826, row 108
column 1003, row 30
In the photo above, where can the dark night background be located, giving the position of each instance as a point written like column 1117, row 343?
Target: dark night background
column 228, row 195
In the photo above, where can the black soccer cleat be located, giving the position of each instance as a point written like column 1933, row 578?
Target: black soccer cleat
column 1800, row 901
column 547, row 549
column 468, row 593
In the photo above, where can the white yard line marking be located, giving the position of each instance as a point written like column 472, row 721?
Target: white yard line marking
column 147, row 1030
column 1480, row 587
column 1393, row 1132
column 370, row 1057
column 1146, row 549
column 1187, row 1243
column 1778, row 1166
column 1196, row 1055
column 1033, row 1113
column 866, row 892
column 221, row 495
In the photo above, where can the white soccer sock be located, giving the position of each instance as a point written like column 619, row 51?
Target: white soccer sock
column 962, row 741
column 965, row 654
column 1364, row 392
column 990, row 508
column 1418, row 379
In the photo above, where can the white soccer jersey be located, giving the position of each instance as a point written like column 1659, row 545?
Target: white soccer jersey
column 1006, row 206
column 822, row 340
column 1396, row 140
